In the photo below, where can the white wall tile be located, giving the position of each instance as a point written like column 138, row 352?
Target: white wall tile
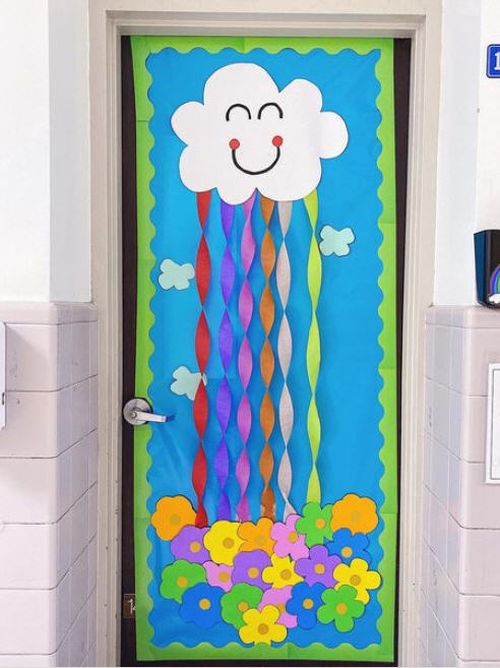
column 79, row 521
column 429, row 351
column 436, row 640
column 441, row 414
column 442, row 355
column 481, row 346
column 457, row 360
column 80, row 351
column 31, row 425
column 479, row 637
column 438, row 529
column 439, row 472
column 29, row 660
column 32, row 357
column 28, row 556
column 30, row 625
column 80, row 410
column 480, row 572
column 475, row 504
column 79, row 575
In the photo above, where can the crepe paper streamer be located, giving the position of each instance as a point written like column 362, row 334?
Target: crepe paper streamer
column 313, row 347
column 202, row 349
column 224, row 401
column 245, row 364
column 267, row 312
column 283, row 279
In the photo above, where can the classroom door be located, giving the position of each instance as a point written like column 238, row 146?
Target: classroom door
column 263, row 232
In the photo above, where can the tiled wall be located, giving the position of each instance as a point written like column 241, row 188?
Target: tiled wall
column 48, row 486
column 460, row 597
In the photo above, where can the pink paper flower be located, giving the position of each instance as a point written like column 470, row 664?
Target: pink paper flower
column 279, row 598
column 288, row 541
column 218, row 575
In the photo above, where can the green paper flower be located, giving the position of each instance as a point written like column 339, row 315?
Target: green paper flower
column 315, row 524
column 340, row 607
column 178, row 577
column 239, row 599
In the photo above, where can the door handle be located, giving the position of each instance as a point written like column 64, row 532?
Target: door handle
column 137, row 411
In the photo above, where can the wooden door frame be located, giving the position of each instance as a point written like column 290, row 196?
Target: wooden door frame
column 108, row 20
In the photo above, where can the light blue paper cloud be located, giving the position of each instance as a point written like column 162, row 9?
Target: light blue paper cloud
column 336, row 242
column 186, row 382
column 175, row 275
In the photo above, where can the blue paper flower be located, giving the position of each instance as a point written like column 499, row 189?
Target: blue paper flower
column 348, row 546
column 305, row 600
column 201, row 605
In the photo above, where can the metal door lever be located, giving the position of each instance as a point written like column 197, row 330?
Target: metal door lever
column 137, row 411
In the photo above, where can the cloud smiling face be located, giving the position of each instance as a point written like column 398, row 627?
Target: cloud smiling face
column 248, row 135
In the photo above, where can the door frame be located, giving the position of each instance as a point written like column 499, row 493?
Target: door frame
column 108, row 20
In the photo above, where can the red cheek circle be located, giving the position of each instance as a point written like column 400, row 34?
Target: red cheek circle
column 234, row 144
column 277, row 141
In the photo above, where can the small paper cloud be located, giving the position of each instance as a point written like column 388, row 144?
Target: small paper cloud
column 336, row 242
column 175, row 275
column 494, row 298
column 186, row 382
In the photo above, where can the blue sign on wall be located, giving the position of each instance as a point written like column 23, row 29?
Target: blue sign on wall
column 493, row 61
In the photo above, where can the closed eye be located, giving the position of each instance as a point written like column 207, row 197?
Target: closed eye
column 268, row 105
column 238, row 105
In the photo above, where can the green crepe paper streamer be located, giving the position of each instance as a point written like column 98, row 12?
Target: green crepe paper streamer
column 142, row 46
column 313, row 352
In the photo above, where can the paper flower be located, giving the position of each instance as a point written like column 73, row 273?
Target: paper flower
column 248, row 567
column 201, row 605
column 288, row 541
column 261, row 626
column 340, row 607
column 304, row 603
column 279, row 598
column 319, row 567
column 256, row 536
column 348, row 546
column 222, row 541
column 315, row 523
column 172, row 514
column 176, row 578
column 281, row 573
column 357, row 575
column 336, row 242
column 186, row 382
column 218, row 575
column 357, row 513
column 188, row 544
column 241, row 598
column 175, row 275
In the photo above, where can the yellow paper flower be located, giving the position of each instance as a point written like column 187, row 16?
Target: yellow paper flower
column 223, row 542
column 172, row 514
column 257, row 536
column 260, row 626
column 357, row 513
column 281, row 573
column 357, row 575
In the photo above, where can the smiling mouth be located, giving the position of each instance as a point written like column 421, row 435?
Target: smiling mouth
column 258, row 171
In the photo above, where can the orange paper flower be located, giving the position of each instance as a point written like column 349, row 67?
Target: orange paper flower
column 257, row 536
column 357, row 513
column 172, row 514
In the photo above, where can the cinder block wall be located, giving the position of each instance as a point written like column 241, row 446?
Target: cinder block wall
column 48, row 475
column 460, row 597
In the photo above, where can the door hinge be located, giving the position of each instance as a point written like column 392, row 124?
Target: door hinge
column 128, row 606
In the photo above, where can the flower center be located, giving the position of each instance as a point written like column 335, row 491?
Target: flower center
column 341, row 608
column 356, row 517
column 195, row 546
column 263, row 629
column 228, row 543
column 260, row 540
column 182, row 581
column 346, row 552
column 286, row 574
column 175, row 519
column 204, row 604
column 319, row 569
column 253, row 572
column 320, row 523
column 355, row 580
column 223, row 576
column 281, row 607
column 243, row 606
column 307, row 603
column 293, row 537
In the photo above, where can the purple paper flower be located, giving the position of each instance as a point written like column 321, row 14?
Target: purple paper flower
column 248, row 567
column 218, row 575
column 288, row 541
column 319, row 567
column 188, row 544
column 279, row 598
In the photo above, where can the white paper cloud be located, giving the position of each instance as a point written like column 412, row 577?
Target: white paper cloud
column 186, row 382
column 247, row 135
column 175, row 275
column 336, row 242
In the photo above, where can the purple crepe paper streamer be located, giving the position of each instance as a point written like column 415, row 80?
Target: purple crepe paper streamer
column 244, row 416
column 223, row 401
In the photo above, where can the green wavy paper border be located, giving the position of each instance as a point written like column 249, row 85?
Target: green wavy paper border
column 142, row 46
